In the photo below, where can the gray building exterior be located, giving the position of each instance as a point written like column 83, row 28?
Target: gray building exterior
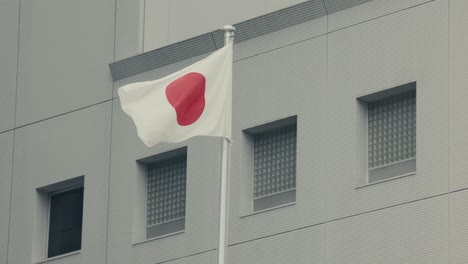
column 61, row 124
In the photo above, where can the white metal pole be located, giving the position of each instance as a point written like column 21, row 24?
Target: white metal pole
column 225, row 169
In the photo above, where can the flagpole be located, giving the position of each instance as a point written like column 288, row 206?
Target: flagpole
column 225, row 171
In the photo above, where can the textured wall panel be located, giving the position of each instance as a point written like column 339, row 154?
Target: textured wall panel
column 253, row 36
column 415, row 233
column 156, row 27
column 334, row 6
column 64, row 51
column 127, row 217
column 203, row 258
column 284, row 19
column 458, row 94
column 9, row 24
column 380, row 54
column 168, row 22
column 364, row 11
column 127, row 29
column 274, row 5
column 296, row 247
column 203, row 19
column 458, row 227
column 164, row 56
column 278, row 84
column 6, row 159
column 52, row 151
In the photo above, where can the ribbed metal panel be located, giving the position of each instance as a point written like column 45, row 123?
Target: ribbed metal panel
column 334, row 6
column 211, row 41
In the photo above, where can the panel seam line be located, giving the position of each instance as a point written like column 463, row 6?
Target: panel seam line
column 384, row 15
column 14, row 133
column 347, row 217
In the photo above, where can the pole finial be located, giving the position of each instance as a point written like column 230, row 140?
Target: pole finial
column 228, row 28
column 228, row 34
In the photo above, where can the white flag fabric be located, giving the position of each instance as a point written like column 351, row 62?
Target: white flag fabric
column 196, row 100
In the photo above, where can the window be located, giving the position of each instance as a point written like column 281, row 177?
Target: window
column 391, row 131
column 274, row 166
column 65, row 221
column 166, row 187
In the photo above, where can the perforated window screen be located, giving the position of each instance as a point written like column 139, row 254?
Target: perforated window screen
column 274, row 161
column 166, row 190
column 392, row 130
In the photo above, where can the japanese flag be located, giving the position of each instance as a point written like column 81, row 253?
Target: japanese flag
column 196, row 100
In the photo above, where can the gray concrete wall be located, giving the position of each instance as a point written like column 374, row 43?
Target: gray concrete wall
column 62, row 119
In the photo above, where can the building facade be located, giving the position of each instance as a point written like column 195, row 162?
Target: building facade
column 350, row 133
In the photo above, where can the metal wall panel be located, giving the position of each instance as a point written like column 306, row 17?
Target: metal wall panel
column 353, row 12
column 168, row 22
column 408, row 46
column 127, row 29
column 458, row 227
column 203, row 19
column 334, row 6
column 252, row 37
column 52, row 151
column 415, row 233
column 274, row 5
column 9, row 24
column 458, row 94
column 296, row 247
column 202, row 258
column 127, row 215
column 156, row 24
column 164, row 56
column 6, row 159
column 65, row 47
column 273, row 85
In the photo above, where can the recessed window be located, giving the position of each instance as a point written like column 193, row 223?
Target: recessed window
column 274, row 164
column 166, row 188
column 391, row 131
column 65, row 221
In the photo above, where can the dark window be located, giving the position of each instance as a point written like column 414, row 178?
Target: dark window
column 65, row 223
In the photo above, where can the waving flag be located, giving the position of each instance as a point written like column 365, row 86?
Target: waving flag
column 196, row 100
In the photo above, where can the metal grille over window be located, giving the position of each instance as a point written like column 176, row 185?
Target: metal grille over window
column 392, row 130
column 275, row 161
column 166, row 190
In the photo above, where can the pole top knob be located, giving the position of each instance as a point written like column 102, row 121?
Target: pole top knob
column 228, row 28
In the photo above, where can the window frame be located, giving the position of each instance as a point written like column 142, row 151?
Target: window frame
column 290, row 195
column 363, row 109
column 145, row 163
column 49, row 203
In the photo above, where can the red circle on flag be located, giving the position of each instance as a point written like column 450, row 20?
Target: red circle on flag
column 187, row 95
